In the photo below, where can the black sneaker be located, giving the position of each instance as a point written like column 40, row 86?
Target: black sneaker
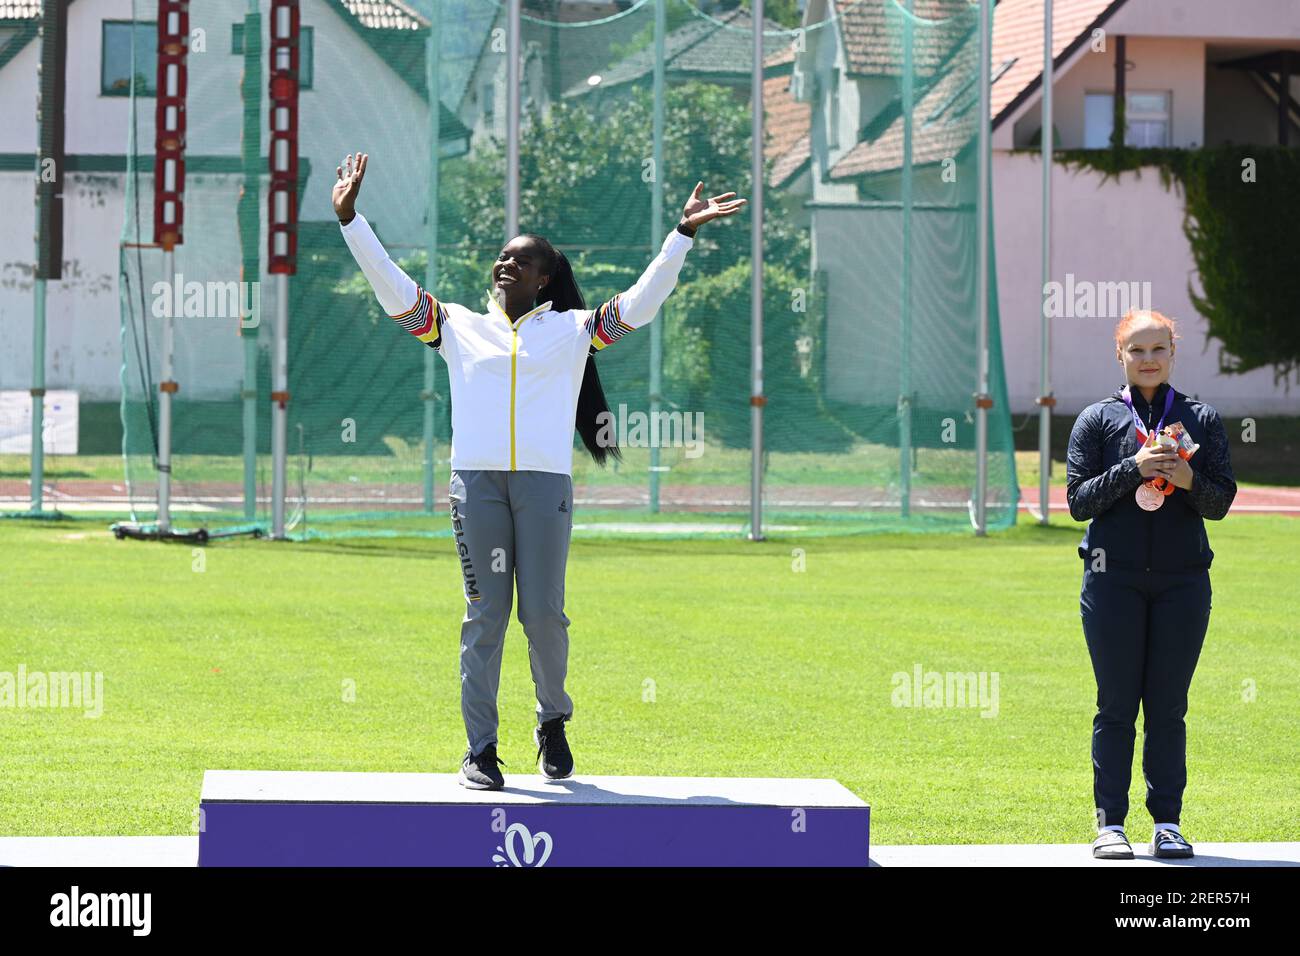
column 479, row 771
column 554, row 759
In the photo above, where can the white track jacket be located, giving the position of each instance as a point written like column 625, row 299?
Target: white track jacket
column 514, row 384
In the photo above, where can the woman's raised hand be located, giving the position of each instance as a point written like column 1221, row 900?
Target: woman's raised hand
column 348, row 185
column 698, row 210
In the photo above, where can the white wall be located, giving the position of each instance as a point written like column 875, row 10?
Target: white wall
column 1221, row 19
column 1125, row 231
column 83, row 345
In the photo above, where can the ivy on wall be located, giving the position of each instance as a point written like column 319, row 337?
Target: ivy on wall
column 1241, row 213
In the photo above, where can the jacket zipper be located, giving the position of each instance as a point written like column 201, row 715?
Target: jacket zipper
column 514, row 367
column 1151, row 515
column 514, row 364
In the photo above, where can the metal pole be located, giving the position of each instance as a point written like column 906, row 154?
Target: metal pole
column 905, row 310
column 38, row 395
column 757, row 399
column 656, row 224
column 1046, row 401
column 169, row 194
column 165, row 388
column 249, row 395
column 38, row 313
column 250, row 204
column 432, row 64
column 512, row 121
column 281, row 234
column 982, row 400
column 279, row 415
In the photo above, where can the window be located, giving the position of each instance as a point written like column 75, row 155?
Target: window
column 488, row 100
column 115, row 59
column 305, row 46
column 1146, row 118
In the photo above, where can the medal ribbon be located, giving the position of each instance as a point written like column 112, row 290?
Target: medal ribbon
column 1160, row 484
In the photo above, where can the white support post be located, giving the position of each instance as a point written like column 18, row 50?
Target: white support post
column 1046, row 401
column 38, row 397
column 512, row 121
column 166, row 387
column 982, row 399
column 656, row 237
column 756, row 398
column 279, row 413
column 905, row 275
column 433, row 52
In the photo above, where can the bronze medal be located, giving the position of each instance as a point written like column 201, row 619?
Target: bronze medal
column 1148, row 498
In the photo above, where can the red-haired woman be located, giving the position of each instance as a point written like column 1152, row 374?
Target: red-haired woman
column 1147, row 466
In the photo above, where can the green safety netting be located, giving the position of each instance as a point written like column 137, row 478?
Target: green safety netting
column 869, row 260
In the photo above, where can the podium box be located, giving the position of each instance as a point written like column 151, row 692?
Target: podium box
column 327, row 818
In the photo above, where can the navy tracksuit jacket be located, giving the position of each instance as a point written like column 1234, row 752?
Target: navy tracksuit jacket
column 1145, row 599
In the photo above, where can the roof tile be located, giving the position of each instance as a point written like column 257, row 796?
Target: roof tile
column 1018, row 36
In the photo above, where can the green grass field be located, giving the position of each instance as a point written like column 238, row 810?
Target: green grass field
column 688, row 658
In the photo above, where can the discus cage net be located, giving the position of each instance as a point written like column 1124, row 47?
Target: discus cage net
column 869, row 259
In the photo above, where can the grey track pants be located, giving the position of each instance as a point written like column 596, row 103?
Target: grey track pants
column 511, row 526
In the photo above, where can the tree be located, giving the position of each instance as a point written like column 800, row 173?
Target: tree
column 586, row 179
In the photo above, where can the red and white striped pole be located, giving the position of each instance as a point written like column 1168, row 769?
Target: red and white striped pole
column 282, row 229
column 169, row 212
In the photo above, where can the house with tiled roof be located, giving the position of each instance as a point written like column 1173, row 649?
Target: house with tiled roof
column 1194, row 73
column 851, row 69
column 714, row 49
column 343, row 41
column 718, row 49
column 572, row 61
column 714, row 44
column 552, row 59
column 787, row 124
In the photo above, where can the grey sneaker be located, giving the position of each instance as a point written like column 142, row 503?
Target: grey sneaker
column 479, row 771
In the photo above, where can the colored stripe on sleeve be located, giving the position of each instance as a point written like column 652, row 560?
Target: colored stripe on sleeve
column 424, row 319
column 606, row 325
